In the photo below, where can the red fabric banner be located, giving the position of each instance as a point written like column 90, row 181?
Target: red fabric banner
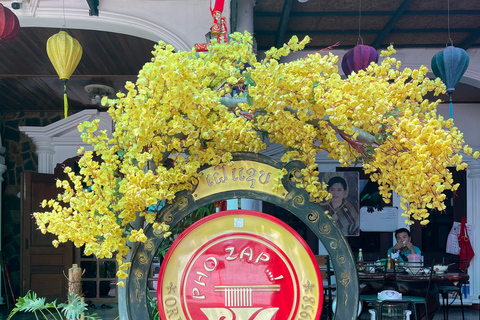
column 466, row 250
column 216, row 5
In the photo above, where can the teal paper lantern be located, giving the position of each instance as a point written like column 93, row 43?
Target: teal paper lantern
column 449, row 65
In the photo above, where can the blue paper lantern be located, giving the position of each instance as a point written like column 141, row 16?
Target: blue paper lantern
column 358, row 58
column 449, row 65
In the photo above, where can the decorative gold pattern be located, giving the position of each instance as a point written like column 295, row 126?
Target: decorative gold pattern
column 344, row 278
column 142, row 259
column 149, row 245
column 313, row 216
column 168, row 217
column 171, row 288
column 325, row 228
column 138, row 275
column 334, row 244
column 308, row 287
column 157, row 232
column 182, row 202
column 297, row 173
column 298, row 200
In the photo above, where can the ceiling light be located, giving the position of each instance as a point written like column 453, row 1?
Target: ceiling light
column 97, row 91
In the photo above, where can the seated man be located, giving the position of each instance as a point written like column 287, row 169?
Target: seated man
column 404, row 246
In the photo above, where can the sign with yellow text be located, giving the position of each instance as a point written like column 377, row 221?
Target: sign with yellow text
column 239, row 175
column 240, row 265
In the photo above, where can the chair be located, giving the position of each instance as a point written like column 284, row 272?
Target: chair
column 396, row 309
column 371, row 279
column 415, row 287
column 455, row 289
column 324, row 264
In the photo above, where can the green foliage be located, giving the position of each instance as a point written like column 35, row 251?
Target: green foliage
column 182, row 225
column 30, row 303
column 152, row 307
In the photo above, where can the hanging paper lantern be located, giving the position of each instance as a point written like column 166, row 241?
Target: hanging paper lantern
column 65, row 53
column 9, row 25
column 449, row 65
column 358, row 58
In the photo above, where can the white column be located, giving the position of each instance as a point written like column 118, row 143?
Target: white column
column 3, row 168
column 45, row 151
column 245, row 18
column 245, row 204
column 245, row 15
column 251, row 204
column 473, row 217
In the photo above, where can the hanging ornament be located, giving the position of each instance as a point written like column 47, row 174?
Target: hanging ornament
column 358, row 58
column 9, row 25
column 65, row 53
column 449, row 65
column 218, row 29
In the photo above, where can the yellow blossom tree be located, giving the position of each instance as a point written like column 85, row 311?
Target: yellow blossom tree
column 197, row 108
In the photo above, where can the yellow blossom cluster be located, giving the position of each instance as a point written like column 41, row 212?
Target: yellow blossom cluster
column 171, row 122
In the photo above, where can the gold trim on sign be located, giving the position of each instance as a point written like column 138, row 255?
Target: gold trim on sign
column 240, row 175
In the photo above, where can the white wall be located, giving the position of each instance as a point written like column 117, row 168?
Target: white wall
column 181, row 23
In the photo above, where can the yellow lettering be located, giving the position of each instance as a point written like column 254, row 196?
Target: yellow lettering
column 170, row 302
column 247, row 252
column 230, row 255
column 200, row 275
column 196, row 294
column 215, row 264
column 262, row 257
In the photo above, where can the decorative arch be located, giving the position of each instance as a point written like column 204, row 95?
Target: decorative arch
column 217, row 184
column 118, row 22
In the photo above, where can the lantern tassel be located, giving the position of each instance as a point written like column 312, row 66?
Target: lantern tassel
column 451, row 106
column 65, row 100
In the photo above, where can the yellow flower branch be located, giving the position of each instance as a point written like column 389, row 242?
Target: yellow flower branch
column 188, row 109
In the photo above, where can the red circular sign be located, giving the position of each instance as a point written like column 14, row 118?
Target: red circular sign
column 239, row 265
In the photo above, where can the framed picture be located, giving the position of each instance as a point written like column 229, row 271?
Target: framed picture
column 343, row 207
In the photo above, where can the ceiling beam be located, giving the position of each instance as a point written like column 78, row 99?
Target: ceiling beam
column 262, row 14
column 72, row 76
column 389, row 26
column 283, row 23
column 347, row 47
column 353, row 31
column 471, row 39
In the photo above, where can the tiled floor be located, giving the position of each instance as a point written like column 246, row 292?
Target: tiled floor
column 454, row 314
column 112, row 314
column 104, row 313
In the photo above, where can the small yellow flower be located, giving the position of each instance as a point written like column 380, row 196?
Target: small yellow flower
column 378, row 117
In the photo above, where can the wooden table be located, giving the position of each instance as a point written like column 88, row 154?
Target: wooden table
column 371, row 283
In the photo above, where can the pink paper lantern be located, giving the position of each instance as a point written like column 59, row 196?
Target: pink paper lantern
column 358, row 58
column 9, row 25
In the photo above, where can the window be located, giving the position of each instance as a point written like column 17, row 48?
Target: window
column 431, row 239
column 99, row 281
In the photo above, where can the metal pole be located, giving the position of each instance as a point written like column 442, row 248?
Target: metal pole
column 3, row 168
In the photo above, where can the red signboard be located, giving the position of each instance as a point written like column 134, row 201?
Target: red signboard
column 239, row 265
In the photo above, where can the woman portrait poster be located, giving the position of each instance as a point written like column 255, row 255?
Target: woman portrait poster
column 343, row 206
